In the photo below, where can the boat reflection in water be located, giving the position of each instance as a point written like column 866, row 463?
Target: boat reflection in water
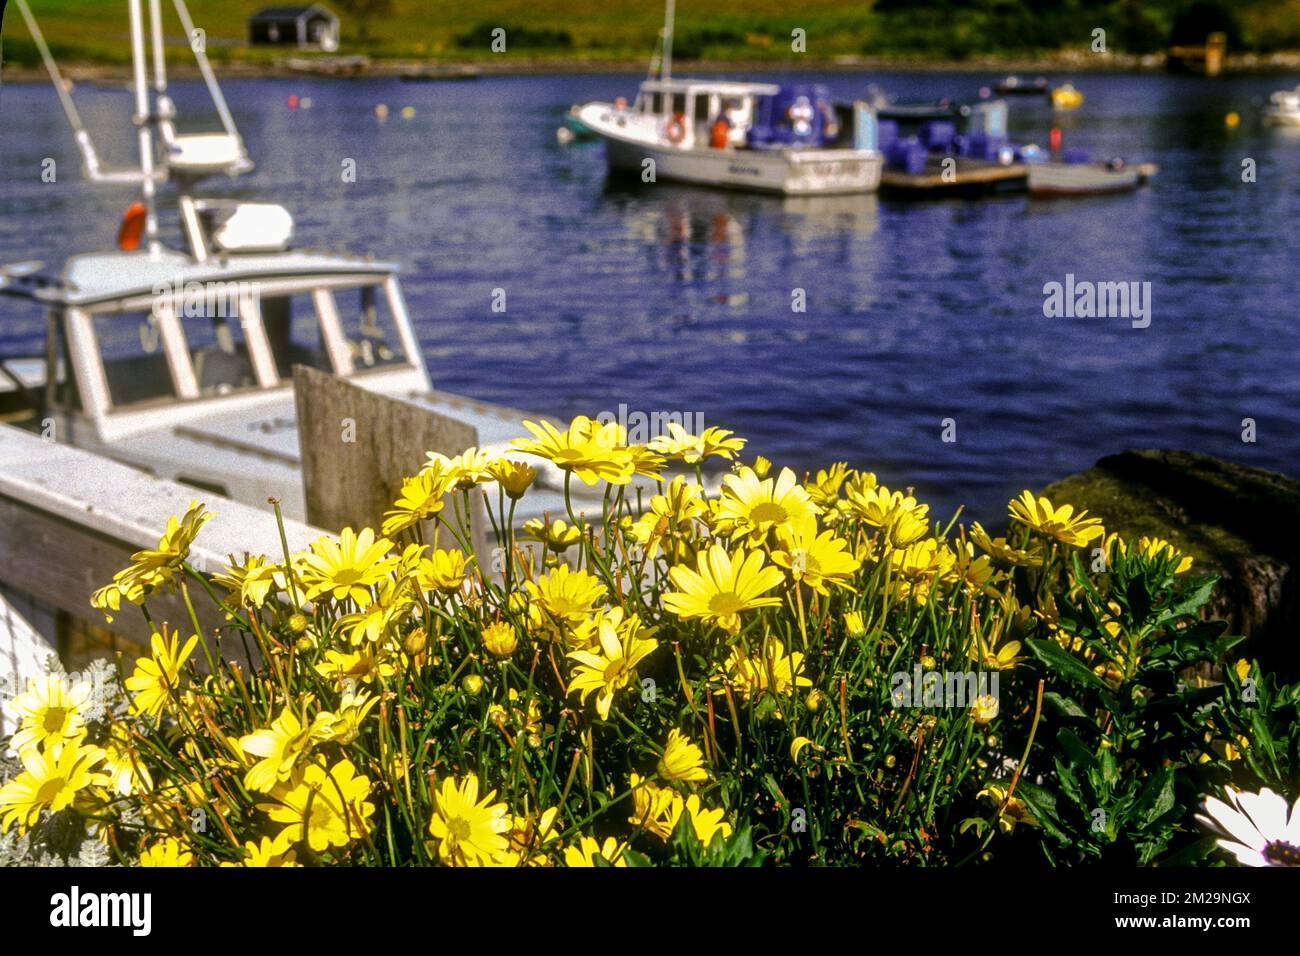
column 704, row 234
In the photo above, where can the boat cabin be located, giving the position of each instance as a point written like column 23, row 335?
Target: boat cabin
column 136, row 339
column 754, row 115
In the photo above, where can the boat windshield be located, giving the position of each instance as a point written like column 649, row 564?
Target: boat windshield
column 215, row 337
column 135, row 361
column 294, row 333
column 369, row 327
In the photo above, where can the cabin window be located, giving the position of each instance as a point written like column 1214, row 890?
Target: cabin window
column 294, row 333
column 215, row 337
column 369, row 327
column 702, row 114
column 135, row 361
column 679, row 103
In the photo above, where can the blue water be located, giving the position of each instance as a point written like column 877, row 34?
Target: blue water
column 676, row 299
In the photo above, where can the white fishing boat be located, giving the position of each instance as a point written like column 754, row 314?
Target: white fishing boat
column 785, row 139
column 1283, row 108
column 177, row 360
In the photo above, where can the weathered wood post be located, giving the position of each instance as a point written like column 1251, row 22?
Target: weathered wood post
column 356, row 446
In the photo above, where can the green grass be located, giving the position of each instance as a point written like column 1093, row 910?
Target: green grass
column 97, row 30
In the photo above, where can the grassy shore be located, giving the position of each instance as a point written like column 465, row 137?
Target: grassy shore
column 617, row 34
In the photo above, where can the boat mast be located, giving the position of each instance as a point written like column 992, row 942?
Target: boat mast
column 667, row 70
column 144, row 120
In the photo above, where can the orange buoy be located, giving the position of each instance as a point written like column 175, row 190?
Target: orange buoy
column 1055, row 139
column 128, row 236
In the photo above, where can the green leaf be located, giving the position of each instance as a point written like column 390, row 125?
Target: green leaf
column 1079, row 753
column 1157, row 797
column 1065, row 664
column 1063, row 705
column 1191, row 603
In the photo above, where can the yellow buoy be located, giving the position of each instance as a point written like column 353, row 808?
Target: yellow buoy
column 1232, row 120
column 408, row 112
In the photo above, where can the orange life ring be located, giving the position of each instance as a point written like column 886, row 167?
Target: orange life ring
column 676, row 131
column 132, row 229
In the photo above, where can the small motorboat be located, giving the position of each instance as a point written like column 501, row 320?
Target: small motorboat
column 1016, row 86
column 573, row 129
column 1066, row 97
column 1074, row 173
column 1283, row 108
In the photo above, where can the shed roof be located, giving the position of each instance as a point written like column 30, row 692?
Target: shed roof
column 297, row 12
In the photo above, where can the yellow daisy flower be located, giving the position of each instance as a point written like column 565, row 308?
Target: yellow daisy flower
column 280, row 746
column 655, row 809
column 756, row 506
column 562, row 598
column 49, row 713
column 772, row 670
column 817, row 560
column 722, row 587
column 267, row 853
column 471, row 467
column 49, row 781
column 514, row 477
column 469, row 831
column 324, row 809
column 587, row 850
column 1059, row 523
column 500, row 639
column 347, row 568
column 706, row 823
column 422, row 496
column 612, row 665
column 156, row 678
column 682, row 760
column 442, row 570
column 168, row 852
column 588, row 449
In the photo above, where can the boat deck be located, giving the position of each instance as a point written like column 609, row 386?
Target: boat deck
column 968, row 177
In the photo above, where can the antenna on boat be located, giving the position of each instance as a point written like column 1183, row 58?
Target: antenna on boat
column 667, row 62
column 143, row 121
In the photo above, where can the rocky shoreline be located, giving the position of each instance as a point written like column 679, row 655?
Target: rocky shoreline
column 1239, row 522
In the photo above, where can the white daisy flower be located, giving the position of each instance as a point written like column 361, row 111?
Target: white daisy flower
column 1255, row 827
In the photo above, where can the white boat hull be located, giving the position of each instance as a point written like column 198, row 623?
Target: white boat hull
column 783, row 171
column 1077, row 179
column 1281, row 117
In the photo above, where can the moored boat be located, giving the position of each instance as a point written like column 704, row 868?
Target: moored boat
column 178, row 359
column 1065, row 97
column 788, row 139
column 1082, row 177
column 1018, row 86
column 1283, row 108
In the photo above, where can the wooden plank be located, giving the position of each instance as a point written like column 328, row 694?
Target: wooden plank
column 356, row 446
column 71, row 519
column 60, row 562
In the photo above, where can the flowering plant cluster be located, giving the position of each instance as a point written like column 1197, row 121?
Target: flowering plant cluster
column 773, row 672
